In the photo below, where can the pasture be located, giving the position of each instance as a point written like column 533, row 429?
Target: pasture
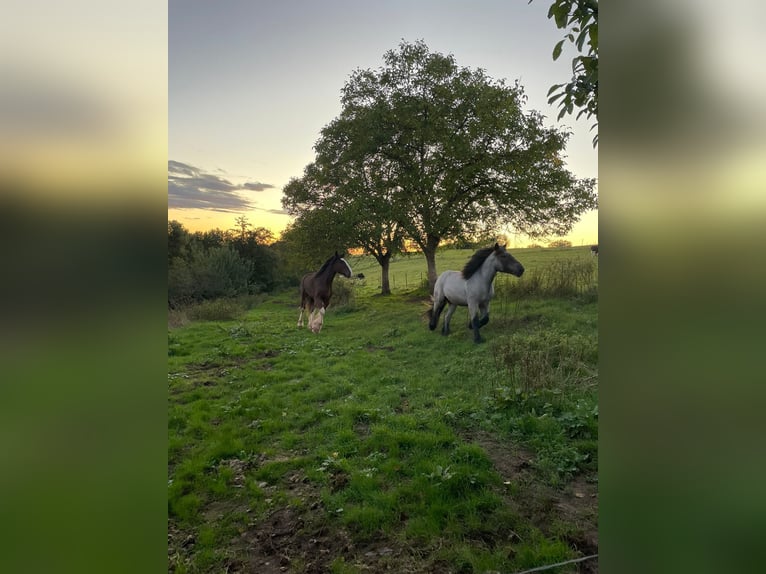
column 380, row 446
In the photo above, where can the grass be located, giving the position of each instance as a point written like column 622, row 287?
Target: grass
column 379, row 445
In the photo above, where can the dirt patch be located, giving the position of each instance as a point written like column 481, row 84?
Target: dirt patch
column 292, row 541
column 301, row 537
column 179, row 389
column 265, row 365
column 570, row 512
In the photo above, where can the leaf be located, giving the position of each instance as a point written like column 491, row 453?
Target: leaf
column 593, row 33
column 560, row 14
column 581, row 38
column 553, row 88
column 556, row 97
column 557, row 50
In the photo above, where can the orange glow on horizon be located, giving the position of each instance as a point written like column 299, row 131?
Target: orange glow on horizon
column 585, row 232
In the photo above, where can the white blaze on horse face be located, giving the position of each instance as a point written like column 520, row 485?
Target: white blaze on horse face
column 347, row 266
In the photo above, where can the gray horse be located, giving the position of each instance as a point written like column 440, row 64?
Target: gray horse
column 472, row 288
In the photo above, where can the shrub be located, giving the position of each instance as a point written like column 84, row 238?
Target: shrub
column 208, row 274
column 216, row 310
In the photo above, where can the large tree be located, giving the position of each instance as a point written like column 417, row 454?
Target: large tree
column 446, row 151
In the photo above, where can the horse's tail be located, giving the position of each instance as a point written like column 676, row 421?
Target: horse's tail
column 438, row 306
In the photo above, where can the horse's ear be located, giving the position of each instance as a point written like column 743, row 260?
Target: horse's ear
column 497, row 246
column 336, row 254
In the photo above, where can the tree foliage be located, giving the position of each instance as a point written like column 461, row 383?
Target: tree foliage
column 216, row 263
column 311, row 238
column 580, row 19
column 348, row 201
column 434, row 151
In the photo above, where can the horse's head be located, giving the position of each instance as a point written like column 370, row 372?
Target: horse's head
column 341, row 266
column 505, row 262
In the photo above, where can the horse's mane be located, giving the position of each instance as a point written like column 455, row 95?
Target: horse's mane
column 476, row 261
column 326, row 264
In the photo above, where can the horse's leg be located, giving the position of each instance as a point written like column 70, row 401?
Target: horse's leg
column 473, row 312
column 484, row 312
column 308, row 305
column 447, row 317
column 313, row 320
column 320, row 319
column 435, row 312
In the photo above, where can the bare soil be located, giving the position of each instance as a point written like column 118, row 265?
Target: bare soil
column 571, row 512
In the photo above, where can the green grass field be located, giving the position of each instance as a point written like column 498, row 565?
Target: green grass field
column 380, row 446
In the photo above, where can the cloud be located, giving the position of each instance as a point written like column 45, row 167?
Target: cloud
column 191, row 188
column 257, row 186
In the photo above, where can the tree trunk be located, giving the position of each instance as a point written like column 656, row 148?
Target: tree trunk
column 429, row 250
column 384, row 260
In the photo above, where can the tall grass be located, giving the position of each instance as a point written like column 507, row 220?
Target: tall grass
column 224, row 309
column 546, row 359
column 569, row 277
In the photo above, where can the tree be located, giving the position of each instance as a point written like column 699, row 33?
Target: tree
column 359, row 212
column 178, row 240
column 445, row 152
column 311, row 238
column 241, row 225
column 560, row 243
column 581, row 18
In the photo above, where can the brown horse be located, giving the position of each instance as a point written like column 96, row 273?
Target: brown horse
column 316, row 290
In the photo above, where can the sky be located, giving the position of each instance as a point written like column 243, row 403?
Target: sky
column 252, row 83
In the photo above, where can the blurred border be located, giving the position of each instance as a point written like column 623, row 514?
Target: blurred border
column 682, row 220
column 83, row 167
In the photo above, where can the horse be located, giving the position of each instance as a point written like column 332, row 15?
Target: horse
column 594, row 250
column 316, row 290
column 472, row 288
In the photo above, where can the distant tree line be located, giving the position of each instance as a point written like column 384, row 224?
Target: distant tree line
column 213, row 264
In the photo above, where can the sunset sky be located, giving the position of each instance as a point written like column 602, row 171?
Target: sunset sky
column 251, row 84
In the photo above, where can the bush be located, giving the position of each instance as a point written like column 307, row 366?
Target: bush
column 208, row 274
